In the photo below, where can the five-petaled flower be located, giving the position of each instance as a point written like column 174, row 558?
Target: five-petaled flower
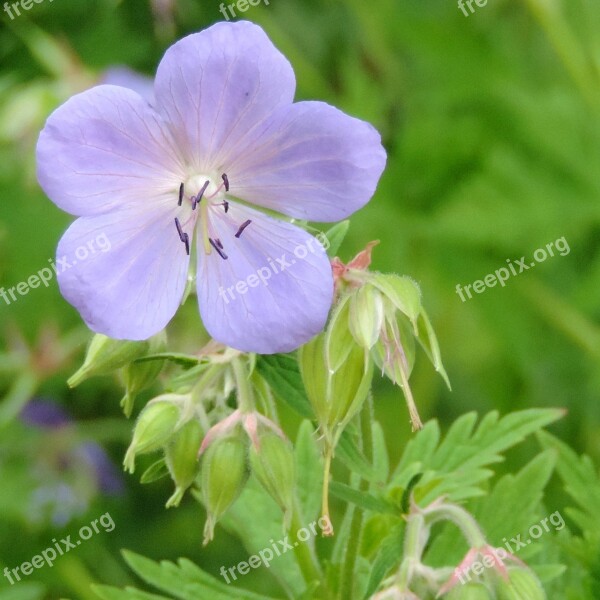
column 161, row 181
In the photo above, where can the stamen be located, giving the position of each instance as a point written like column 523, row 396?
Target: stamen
column 225, row 181
column 242, row 227
column 196, row 199
column 217, row 248
column 218, row 241
column 181, row 189
column 179, row 229
column 184, row 237
column 226, row 205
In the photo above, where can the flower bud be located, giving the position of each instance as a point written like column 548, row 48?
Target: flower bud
column 336, row 393
column 522, row 584
column 366, row 316
column 224, row 474
column 181, row 456
column 105, row 355
column 139, row 376
column 155, row 426
column 272, row 462
column 469, row 591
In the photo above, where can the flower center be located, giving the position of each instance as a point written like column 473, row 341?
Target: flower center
column 205, row 192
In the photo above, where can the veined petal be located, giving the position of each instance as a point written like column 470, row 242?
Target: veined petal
column 309, row 161
column 274, row 291
column 125, row 272
column 106, row 148
column 217, row 86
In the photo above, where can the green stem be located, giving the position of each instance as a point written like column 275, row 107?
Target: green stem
column 412, row 549
column 328, row 530
column 356, row 526
column 460, row 517
column 245, row 397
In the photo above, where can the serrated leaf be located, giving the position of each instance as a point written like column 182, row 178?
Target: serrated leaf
column 282, row 374
column 185, row 580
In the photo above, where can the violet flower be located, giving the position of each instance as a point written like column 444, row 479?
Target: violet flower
column 222, row 137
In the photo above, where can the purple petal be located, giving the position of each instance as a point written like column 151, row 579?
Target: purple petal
column 214, row 87
column 104, row 149
column 309, row 161
column 274, row 291
column 125, row 271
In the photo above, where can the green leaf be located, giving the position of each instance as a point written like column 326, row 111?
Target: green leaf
column 388, row 556
column 456, row 466
column 155, row 471
column 184, row 580
column 111, row 593
column 348, row 452
column 364, row 500
column 336, row 236
column 281, row 372
column 186, row 361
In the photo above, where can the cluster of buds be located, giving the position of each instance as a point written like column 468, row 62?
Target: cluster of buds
column 385, row 316
column 244, row 443
column 481, row 575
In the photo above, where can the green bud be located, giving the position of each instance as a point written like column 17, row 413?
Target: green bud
column 366, row 316
column 469, row 591
column 273, row 465
column 523, row 584
column 181, row 455
column 224, row 474
column 105, row 355
column 155, row 426
column 336, row 395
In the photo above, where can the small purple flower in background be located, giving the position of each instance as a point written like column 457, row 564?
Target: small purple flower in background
column 223, row 134
column 68, row 473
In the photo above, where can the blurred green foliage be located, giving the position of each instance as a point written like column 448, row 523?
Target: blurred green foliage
column 492, row 125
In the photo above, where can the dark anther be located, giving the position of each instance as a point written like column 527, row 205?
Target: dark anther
column 196, row 199
column 225, row 181
column 242, row 227
column 226, row 205
column 179, row 230
column 216, row 247
column 180, row 194
column 218, row 242
column 184, row 237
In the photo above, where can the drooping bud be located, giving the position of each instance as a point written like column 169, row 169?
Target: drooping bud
column 105, row 355
column 139, row 376
column 272, row 462
column 224, row 473
column 181, row 456
column 157, row 422
column 522, row 584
